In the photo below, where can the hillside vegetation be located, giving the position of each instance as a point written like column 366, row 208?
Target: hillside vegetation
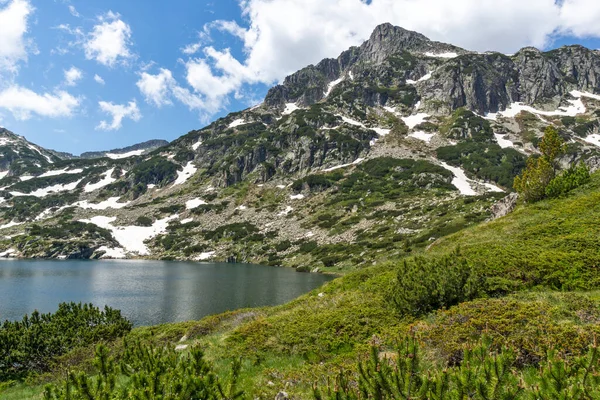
column 525, row 282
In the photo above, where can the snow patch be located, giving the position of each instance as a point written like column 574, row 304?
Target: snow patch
column 463, row 184
column 3, row 174
column 414, row 120
column 442, row 55
column 381, row 131
column 576, row 107
column 205, row 256
column 351, row 121
column 356, row 162
column 503, row 143
column 112, row 202
column 280, row 187
column 285, row 212
column 194, row 203
column 188, row 171
column 421, row 79
column 332, row 85
column 242, row 207
column 424, row 136
column 290, row 108
column 132, row 238
column 237, row 122
column 26, row 178
column 7, row 253
column 43, row 192
column 105, row 181
column 187, row 221
column 60, row 172
column 115, row 156
column 297, row 197
column 11, row 224
column 116, row 253
column 460, row 181
column 593, row 139
column 195, row 145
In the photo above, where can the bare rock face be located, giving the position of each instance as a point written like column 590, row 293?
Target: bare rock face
column 505, row 206
column 282, row 396
column 481, row 83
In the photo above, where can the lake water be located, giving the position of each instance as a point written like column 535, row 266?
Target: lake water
column 147, row 292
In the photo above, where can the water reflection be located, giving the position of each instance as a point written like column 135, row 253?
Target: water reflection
column 148, row 292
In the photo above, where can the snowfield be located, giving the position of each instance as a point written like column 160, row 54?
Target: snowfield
column 576, row 107
column 413, row 120
column 442, row 55
column 356, row 162
column 132, row 238
column 423, row 78
column 332, row 85
column 463, row 184
column 112, row 202
column 424, row 136
column 43, row 192
column 133, row 153
column 503, row 143
column 235, row 123
column 59, row 172
column 194, row 203
column 593, row 139
column 188, row 171
column 107, row 180
column 290, row 108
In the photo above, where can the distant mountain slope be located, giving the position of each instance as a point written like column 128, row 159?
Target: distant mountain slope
column 136, row 149
column 389, row 147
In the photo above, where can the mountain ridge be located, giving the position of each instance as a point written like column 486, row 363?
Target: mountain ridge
column 353, row 156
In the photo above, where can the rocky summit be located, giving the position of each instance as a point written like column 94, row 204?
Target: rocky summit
column 360, row 158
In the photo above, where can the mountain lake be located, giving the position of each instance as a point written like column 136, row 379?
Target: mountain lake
column 147, row 292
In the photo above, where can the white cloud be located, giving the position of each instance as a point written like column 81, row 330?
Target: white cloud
column 99, row 79
column 118, row 112
column 23, row 102
column 109, row 41
column 156, row 88
column 13, row 27
column 72, row 76
column 283, row 36
column 73, row 11
column 161, row 88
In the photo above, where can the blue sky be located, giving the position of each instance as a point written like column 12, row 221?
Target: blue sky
column 84, row 75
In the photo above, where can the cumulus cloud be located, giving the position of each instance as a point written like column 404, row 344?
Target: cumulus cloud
column 72, row 76
column 282, row 36
column 161, row 89
column 23, row 102
column 156, row 89
column 99, row 79
column 13, row 28
column 118, row 112
column 109, row 41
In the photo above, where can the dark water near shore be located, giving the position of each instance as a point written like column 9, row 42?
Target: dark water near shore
column 147, row 292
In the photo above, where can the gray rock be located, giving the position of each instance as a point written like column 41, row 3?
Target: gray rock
column 282, row 396
column 504, row 206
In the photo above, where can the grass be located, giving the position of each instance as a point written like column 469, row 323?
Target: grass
column 541, row 262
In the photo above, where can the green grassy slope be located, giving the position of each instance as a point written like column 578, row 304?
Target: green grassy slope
column 542, row 265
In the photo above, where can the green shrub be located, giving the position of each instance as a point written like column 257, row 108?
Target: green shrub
column 570, row 179
column 144, row 221
column 32, row 344
column 479, row 372
column 423, row 285
column 153, row 372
